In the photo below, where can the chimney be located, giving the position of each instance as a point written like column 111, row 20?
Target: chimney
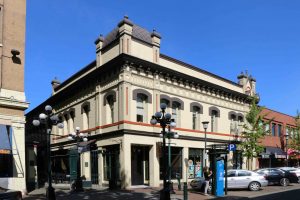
column 125, row 32
column 55, row 83
column 99, row 44
column 242, row 79
column 156, row 45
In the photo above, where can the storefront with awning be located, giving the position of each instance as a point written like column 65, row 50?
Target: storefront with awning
column 272, row 157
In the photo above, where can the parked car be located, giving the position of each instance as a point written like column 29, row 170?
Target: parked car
column 6, row 194
column 199, row 183
column 293, row 170
column 245, row 179
column 278, row 176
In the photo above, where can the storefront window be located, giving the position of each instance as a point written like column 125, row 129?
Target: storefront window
column 6, row 157
column 195, row 163
column 176, row 163
column 111, row 164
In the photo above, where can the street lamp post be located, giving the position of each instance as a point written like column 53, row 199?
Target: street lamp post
column 164, row 119
column 78, row 137
column 286, row 148
column 49, row 120
column 170, row 134
column 205, row 126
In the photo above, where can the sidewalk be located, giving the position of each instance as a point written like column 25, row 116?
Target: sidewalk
column 102, row 193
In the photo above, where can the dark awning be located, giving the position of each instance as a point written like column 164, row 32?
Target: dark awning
column 84, row 144
column 278, row 152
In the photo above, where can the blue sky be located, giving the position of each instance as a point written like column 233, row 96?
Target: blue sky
column 222, row 37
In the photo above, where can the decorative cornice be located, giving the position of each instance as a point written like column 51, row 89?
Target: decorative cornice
column 13, row 103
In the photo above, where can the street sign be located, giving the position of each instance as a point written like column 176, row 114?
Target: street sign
column 231, row 147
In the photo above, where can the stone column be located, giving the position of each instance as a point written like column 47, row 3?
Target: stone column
column 100, row 168
column 125, row 164
column 185, row 159
column 154, row 167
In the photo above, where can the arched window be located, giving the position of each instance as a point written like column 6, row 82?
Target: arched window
column 141, row 108
column 71, row 120
column 142, row 98
column 66, row 125
column 196, row 109
column 196, row 118
column 176, row 112
column 85, row 109
column 233, row 123
column 110, row 109
column 165, row 99
column 240, row 122
column 214, row 113
column 60, row 130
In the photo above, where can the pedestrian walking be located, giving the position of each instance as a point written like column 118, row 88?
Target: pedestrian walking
column 207, row 177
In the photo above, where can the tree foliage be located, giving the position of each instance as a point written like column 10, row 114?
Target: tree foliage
column 254, row 131
column 294, row 134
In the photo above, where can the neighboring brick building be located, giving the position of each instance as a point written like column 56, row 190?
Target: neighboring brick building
column 12, row 95
column 275, row 141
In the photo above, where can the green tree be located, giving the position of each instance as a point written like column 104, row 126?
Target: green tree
column 254, row 132
column 294, row 134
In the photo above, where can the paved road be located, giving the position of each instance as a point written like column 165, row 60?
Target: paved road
column 271, row 192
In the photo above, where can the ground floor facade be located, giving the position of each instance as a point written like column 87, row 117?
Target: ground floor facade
column 132, row 159
column 12, row 153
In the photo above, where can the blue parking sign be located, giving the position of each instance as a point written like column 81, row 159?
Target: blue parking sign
column 232, row 147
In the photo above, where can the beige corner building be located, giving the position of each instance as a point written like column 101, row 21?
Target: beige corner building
column 113, row 98
column 12, row 96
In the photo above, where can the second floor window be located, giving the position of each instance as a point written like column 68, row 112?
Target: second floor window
column 214, row 120
column 175, row 112
column 273, row 129
column 267, row 129
column 71, row 123
column 110, row 109
column 233, row 124
column 279, row 130
column 85, row 117
column 141, row 101
column 196, row 118
column 66, row 125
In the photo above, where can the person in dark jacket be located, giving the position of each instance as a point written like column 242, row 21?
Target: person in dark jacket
column 207, row 177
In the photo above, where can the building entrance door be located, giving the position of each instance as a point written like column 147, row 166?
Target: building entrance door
column 139, row 165
column 94, row 166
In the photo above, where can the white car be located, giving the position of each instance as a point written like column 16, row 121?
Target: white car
column 245, row 179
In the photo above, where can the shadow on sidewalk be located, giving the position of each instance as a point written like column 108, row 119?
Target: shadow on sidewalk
column 97, row 194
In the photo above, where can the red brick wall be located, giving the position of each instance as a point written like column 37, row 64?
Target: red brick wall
column 277, row 118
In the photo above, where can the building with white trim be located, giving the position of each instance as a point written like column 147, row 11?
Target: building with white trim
column 113, row 99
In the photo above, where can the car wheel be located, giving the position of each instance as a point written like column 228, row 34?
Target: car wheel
column 254, row 186
column 284, row 182
column 298, row 179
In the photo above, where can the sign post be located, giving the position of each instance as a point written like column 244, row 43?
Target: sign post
column 232, row 147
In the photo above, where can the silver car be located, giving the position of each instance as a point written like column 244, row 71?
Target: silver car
column 245, row 179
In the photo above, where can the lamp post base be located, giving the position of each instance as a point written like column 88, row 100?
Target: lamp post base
column 170, row 187
column 165, row 194
column 78, row 185
column 50, row 193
